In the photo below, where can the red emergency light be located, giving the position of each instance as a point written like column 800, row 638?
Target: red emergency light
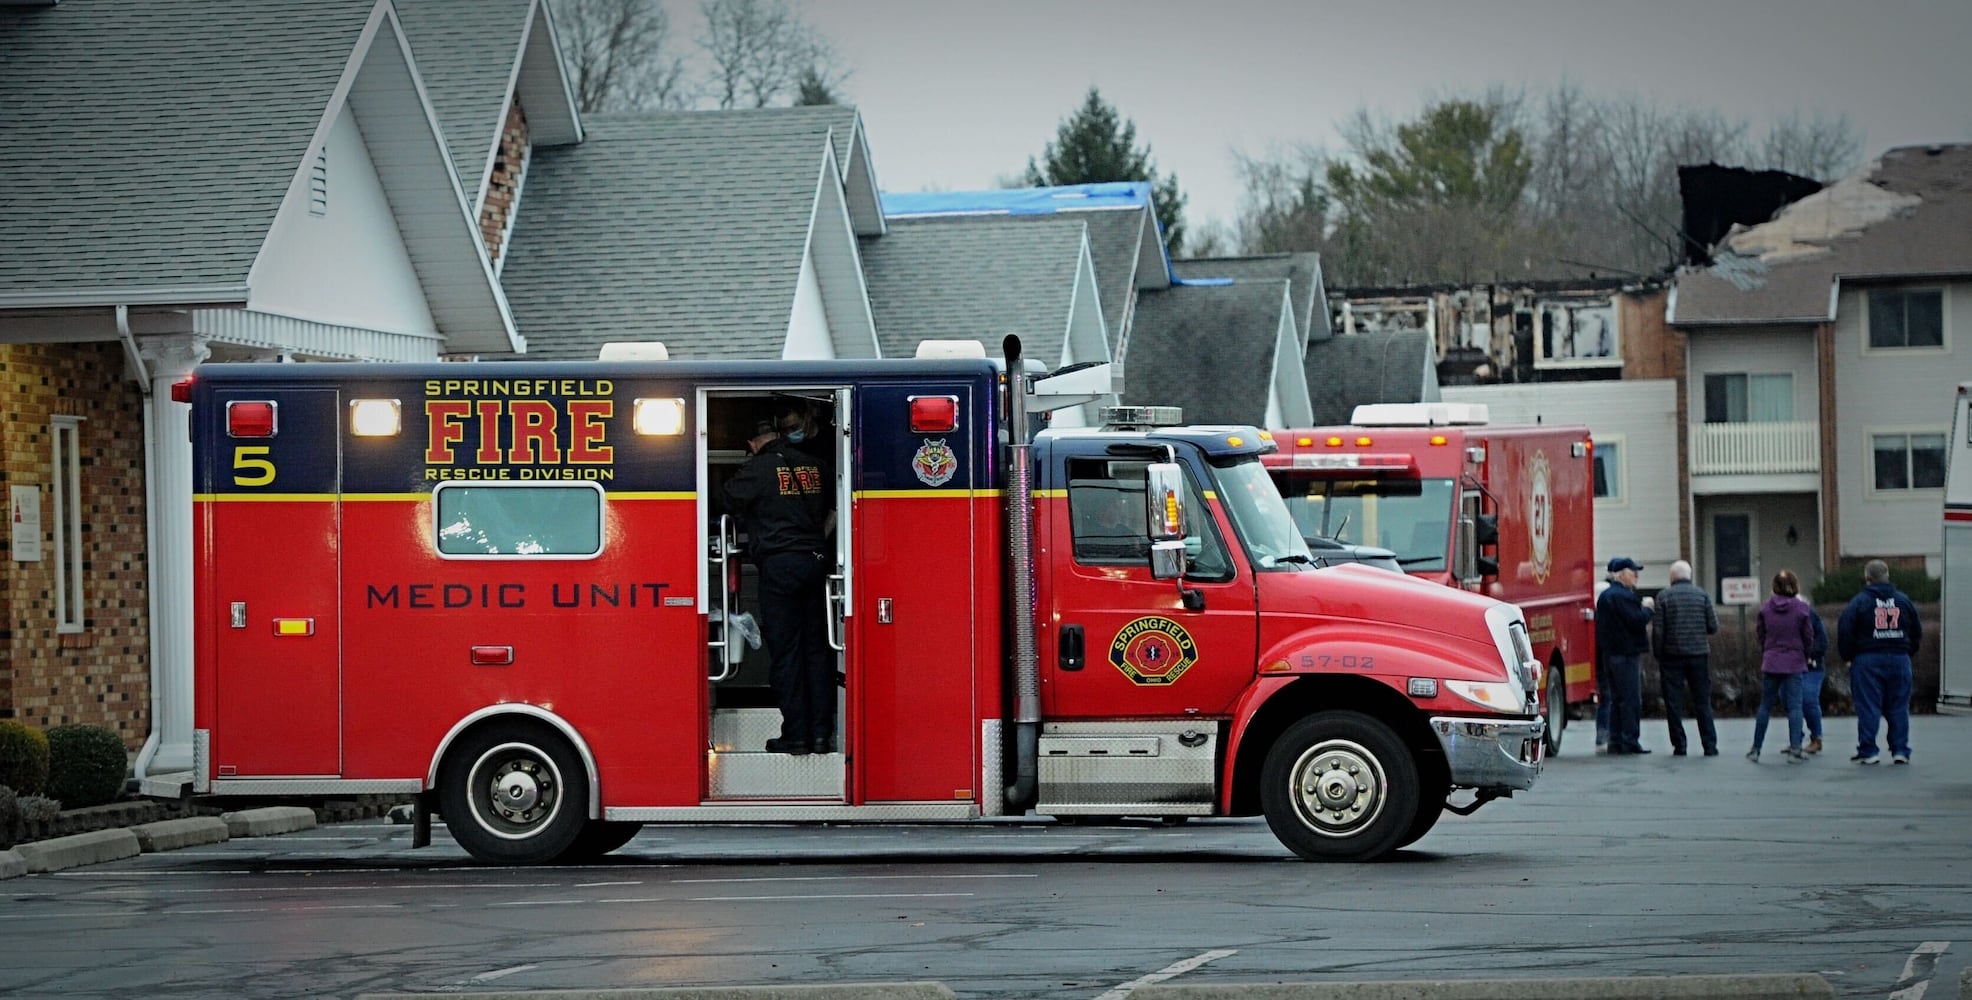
column 181, row 390
column 250, row 418
column 934, row 414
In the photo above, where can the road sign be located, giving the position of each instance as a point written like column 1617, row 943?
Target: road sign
column 1739, row 590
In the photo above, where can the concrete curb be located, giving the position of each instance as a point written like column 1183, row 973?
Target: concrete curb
column 78, row 849
column 172, row 834
column 268, row 821
column 1748, row 987
column 12, row 865
column 848, row 991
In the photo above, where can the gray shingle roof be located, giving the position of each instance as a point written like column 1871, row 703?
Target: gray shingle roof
column 149, row 145
column 465, row 51
column 685, row 227
column 1349, row 370
column 1207, row 348
column 975, row 277
column 1302, row 270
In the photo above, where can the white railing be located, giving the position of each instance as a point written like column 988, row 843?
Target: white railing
column 1737, row 449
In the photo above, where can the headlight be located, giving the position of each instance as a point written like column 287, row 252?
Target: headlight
column 1499, row 696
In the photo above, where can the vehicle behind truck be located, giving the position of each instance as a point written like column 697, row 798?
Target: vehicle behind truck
column 1500, row 509
column 513, row 591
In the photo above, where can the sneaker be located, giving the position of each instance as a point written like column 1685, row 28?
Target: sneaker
column 1711, row 751
column 1902, row 758
column 1860, row 759
column 1602, row 748
column 1677, row 751
column 1753, row 755
column 1795, row 755
column 1814, row 745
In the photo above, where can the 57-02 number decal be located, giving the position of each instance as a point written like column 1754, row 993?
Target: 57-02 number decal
column 1346, row 661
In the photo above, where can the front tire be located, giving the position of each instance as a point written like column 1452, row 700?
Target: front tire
column 513, row 793
column 599, row 837
column 1557, row 708
column 1339, row 786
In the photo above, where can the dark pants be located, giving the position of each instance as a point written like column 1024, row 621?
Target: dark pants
column 794, row 625
column 1779, row 691
column 1626, row 708
column 1676, row 674
column 1880, row 683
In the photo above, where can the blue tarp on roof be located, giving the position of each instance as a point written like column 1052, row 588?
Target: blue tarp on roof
column 1018, row 201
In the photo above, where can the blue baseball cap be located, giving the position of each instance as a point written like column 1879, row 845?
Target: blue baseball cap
column 1621, row 563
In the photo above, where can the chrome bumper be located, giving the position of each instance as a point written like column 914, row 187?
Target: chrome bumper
column 1487, row 752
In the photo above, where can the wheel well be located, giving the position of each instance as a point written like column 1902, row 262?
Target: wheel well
column 1309, row 695
column 545, row 724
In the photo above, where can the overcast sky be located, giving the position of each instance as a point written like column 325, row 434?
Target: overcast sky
column 957, row 95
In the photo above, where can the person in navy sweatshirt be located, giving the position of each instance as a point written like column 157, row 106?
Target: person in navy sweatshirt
column 1878, row 634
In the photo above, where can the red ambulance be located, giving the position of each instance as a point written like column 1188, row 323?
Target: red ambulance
column 1504, row 510
column 512, row 591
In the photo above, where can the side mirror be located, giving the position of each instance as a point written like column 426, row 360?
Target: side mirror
column 1465, row 558
column 1167, row 560
column 1486, row 528
column 1488, row 566
column 1164, row 500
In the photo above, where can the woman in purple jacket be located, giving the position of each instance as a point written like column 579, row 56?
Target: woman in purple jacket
column 1786, row 638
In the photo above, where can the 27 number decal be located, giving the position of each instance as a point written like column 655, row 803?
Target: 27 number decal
column 251, row 467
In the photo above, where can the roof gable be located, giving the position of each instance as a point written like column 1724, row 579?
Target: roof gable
column 1347, row 371
column 1210, row 349
column 975, row 278
column 1302, row 270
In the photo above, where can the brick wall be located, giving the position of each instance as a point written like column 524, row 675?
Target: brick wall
column 102, row 674
column 503, row 185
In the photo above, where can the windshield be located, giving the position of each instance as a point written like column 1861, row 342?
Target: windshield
column 1411, row 517
column 1260, row 517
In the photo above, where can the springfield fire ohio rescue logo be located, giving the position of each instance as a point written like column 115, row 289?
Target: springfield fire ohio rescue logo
column 934, row 463
column 519, row 429
column 1153, row 650
column 1540, row 513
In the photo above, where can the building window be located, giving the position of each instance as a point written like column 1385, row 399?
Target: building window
column 1899, row 318
column 491, row 521
column 1908, row 461
column 1578, row 334
column 68, row 524
column 1739, row 398
column 1608, row 469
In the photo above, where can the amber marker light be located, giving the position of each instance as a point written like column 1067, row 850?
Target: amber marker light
column 1363, row 442
column 1235, row 440
column 663, row 417
column 1304, row 442
column 1439, row 440
column 1335, row 442
column 375, row 417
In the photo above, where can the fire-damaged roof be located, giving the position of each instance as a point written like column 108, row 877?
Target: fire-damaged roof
column 1909, row 214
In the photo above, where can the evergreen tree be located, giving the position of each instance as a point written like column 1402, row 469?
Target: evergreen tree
column 1097, row 145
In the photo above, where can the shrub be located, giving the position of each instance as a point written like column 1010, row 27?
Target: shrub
column 23, row 757
column 38, row 808
column 86, row 765
column 1838, row 585
column 10, row 816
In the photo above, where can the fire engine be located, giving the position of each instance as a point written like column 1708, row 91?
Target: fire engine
column 512, row 590
column 1505, row 510
column 1955, row 602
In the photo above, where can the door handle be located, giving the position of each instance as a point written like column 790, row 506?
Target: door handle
column 836, row 587
column 1070, row 647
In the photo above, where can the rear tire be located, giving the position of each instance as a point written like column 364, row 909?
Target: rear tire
column 513, row 793
column 1339, row 786
column 1557, row 708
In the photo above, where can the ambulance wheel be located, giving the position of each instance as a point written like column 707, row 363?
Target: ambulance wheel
column 599, row 837
column 1429, row 809
column 1557, row 708
column 513, row 793
column 1339, row 786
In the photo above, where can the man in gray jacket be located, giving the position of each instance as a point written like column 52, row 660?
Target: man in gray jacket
column 1681, row 639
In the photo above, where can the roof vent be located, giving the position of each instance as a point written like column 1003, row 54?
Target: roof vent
column 951, row 349
column 1420, row 415
column 636, row 350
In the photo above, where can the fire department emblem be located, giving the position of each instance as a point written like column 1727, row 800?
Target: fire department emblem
column 1153, row 651
column 934, row 463
column 1540, row 513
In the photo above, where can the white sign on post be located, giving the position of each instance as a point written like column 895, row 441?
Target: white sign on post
column 24, row 523
column 1739, row 590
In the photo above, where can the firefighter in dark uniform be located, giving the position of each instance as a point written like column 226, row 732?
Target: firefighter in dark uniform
column 784, row 503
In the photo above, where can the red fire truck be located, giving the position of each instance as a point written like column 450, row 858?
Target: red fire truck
column 512, row 590
column 1508, row 511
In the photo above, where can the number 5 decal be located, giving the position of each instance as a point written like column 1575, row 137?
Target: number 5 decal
column 251, row 467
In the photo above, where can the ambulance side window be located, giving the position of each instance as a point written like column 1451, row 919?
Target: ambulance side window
column 1106, row 511
column 490, row 520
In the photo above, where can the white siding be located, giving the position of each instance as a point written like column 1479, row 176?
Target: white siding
column 348, row 266
column 808, row 325
column 1641, row 417
column 1756, row 351
column 1903, row 390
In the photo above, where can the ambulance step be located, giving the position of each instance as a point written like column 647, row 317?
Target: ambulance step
column 1126, row 768
column 754, row 774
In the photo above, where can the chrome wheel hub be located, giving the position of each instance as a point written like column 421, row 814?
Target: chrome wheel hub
column 1339, row 788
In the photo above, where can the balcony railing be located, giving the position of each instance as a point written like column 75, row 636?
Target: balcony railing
column 1739, row 449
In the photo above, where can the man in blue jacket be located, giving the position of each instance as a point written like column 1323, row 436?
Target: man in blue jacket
column 1622, row 621
column 1878, row 634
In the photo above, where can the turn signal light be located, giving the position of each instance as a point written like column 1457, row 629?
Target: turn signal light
column 934, row 414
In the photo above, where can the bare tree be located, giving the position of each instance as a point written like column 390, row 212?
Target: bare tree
column 762, row 52
column 618, row 51
column 1818, row 147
